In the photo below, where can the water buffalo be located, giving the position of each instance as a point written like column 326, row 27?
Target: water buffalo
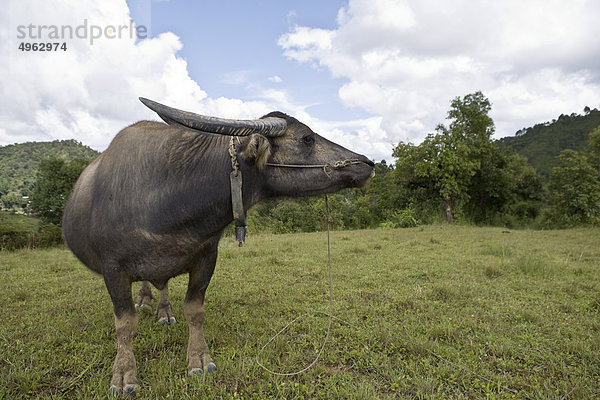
column 154, row 205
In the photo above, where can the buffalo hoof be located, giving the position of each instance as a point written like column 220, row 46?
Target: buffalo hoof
column 167, row 320
column 164, row 314
column 144, row 301
column 210, row 368
column 129, row 391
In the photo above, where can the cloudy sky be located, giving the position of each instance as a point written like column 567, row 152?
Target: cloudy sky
column 365, row 73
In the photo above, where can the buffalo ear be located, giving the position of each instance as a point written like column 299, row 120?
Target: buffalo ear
column 257, row 150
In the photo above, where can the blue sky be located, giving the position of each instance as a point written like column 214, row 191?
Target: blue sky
column 231, row 47
column 364, row 73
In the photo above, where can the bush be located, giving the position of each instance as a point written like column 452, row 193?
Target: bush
column 575, row 191
column 405, row 218
column 401, row 219
column 49, row 235
column 555, row 218
column 387, row 225
column 14, row 237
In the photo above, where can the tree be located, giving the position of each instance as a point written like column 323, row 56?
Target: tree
column 440, row 165
column 504, row 184
column 470, row 119
column 54, row 181
column 594, row 141
column 446, row 162
column 575, row 190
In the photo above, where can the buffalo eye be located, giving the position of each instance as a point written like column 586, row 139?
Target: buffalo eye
column 308, row 139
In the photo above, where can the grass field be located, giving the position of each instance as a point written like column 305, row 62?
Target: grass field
column 521, row 308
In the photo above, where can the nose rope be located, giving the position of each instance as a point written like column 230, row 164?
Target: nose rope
column 327, row 168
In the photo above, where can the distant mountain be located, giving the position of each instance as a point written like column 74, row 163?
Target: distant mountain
column 19, row 162
column 543, row 142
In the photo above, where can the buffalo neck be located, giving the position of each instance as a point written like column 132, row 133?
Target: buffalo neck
column 197, row 195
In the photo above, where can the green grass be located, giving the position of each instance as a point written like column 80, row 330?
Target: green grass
column 519, row 308
column 16, row 222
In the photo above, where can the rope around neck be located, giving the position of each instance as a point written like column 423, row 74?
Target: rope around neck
column 233, row 154
column 330, row 314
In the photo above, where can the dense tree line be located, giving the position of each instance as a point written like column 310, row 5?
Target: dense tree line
column 458, row 174
column 19, row 164
column 543, row 142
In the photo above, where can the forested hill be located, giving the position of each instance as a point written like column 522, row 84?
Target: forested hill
column 19, row 162
column 543, row 142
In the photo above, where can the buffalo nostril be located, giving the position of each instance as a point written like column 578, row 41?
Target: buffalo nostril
column 365, row 160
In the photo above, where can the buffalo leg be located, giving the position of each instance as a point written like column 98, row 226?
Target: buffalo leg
column 198, row 355
column 164, row 312
column 124, row 369
column 145, row 297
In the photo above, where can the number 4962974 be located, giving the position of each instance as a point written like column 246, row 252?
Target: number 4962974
column 24, row 46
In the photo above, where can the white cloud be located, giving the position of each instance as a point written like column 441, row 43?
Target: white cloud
column 405, row 60
column 357, row 135
column 275, row 79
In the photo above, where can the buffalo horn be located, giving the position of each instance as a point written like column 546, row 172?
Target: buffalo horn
column 270, row 126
